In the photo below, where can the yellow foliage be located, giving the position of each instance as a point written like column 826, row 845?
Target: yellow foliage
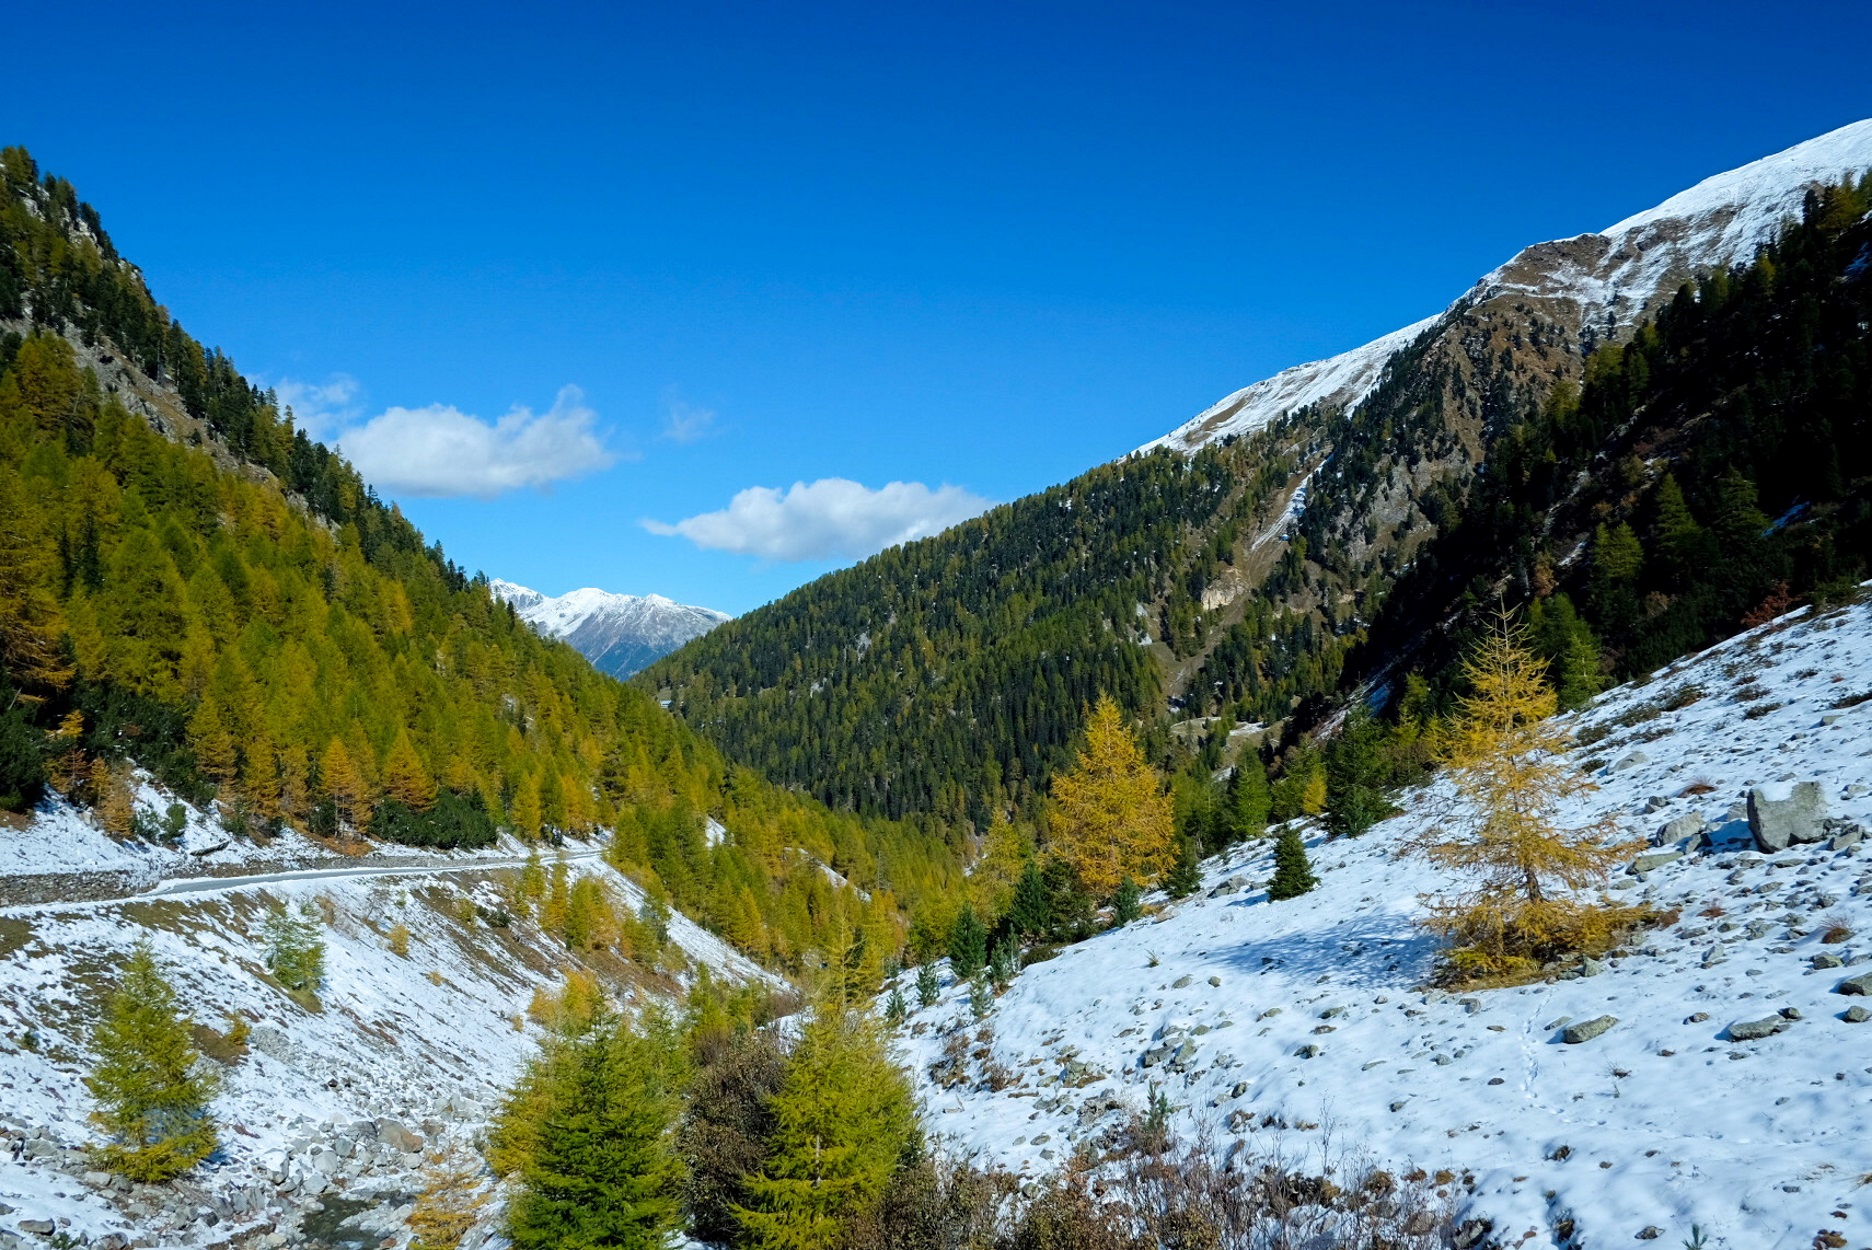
column 572, row 1007
column 991, row 881
column 406, row 778
column 448, row 1206
column 399, row 940
column 1504, row 757
column 1113, row 818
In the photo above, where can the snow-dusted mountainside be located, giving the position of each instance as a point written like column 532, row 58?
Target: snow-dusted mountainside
column 618, row 633
column 331, row 1109
column 1604, row 282
column 1304, row 1026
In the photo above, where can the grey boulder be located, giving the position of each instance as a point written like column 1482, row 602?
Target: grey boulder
column 1755, row 1030
column 1586, row 1030
column 1780, row 823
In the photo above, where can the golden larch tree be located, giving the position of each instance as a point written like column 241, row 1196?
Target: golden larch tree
column 1112, row 816
column 1504, row 756
column 406, row 777
column 345, row 784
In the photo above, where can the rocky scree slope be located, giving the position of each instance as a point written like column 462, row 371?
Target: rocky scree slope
column 327, row 1115
column 619, row 634
column 1716, row 1073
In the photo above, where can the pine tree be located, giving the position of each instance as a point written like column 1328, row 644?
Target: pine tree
column 152, row 1101
column 1113, row 817
column 844, row 1117
column 295, row 953
column 1355, row 766
column 1185, row 877
column 603, row 1170
column 1248, row 801
column 345, row 784
column 1293, row 872
column 1504, row 757
column 927, row 988
column 968, row 944
column 406, row 777
column 30, row 619
column 1028, row 913
column 1127, row 903
column 895, row 1008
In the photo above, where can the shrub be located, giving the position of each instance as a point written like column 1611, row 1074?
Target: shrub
column 455, row 820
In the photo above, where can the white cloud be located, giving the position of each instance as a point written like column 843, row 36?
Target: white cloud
column 440, row 450
column 832, row 518
column 320, row 406
column 684, row 422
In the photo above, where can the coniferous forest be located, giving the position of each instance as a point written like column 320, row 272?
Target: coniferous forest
column 213, row 597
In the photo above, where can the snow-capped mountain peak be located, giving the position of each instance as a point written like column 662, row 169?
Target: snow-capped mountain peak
column 618, row 633
column 1589, row 284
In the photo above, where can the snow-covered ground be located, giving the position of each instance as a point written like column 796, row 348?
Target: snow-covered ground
column 427, row 1040
column 1659, row 1124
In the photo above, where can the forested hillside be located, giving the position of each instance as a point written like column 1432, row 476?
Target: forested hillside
column 1511, row 449
column 948, row 675
column 189, row 584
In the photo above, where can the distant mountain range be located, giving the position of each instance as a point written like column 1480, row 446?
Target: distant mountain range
column 619, row 634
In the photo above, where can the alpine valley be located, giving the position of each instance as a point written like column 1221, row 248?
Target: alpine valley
column 1420, row 801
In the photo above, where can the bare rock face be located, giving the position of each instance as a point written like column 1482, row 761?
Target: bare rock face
column 1780, row 823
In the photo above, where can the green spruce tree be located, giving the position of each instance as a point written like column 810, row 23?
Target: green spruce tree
column 968, row 944
column 1028, row 914
column 152, row 1100
column 1355, row 769
column 295, row 952
column 1185, row 876
column 1127, row 903
column 928, row 990
column 1248, row 801
column 1293, row 873
column 604, row 1170
column 844, row 1117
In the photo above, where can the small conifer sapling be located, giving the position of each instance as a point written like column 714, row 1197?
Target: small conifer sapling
column 1293, row 872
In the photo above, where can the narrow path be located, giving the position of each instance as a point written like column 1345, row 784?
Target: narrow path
column 209, row 885
column 173, row 887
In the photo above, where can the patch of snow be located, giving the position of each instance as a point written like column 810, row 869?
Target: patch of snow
column 1664, row 1120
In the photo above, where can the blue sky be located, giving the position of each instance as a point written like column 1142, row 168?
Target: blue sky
column 579, row 267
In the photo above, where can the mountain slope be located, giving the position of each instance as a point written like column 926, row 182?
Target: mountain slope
column 1244, row 578
column 178, row 593
column 1592, row 283
column 1302, row 1028
column 619, row 634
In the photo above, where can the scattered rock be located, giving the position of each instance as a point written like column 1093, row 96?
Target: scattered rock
column 1653, row 859
column 1586, row 1030
column 1755, row 1030
column 1856, row 1014
column 1650, row 1232
column 1861, row 984
column 1779, row 823
column 1826, row 959
column 1628, row 761
column 1216, row 981
column 397, row 1137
